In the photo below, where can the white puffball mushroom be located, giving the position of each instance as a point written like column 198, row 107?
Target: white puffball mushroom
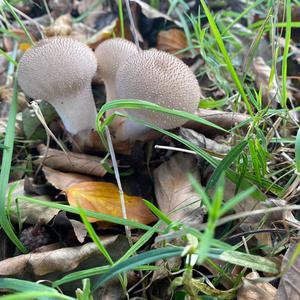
column 60, row 71
column 160, row 78
column 111, row 54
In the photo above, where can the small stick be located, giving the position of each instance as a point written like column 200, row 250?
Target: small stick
column 117, row 176
column 132, row 25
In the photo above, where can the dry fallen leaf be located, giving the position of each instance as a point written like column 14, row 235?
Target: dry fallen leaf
column 62, row 180
column 171, row 41
column 262, row 74
column 173, row 190
column 202, row 141
column 104, row 197
column 253, row 290
column 288, row 286
column 58, row 260
column 226, row 120
column 71, row 162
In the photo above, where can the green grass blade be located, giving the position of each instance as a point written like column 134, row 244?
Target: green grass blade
column 8, row 57
column 255, row 160
column 235, row 200
column 19, row 21
column 297, row 152
column 249, row 261
column 286, row 51
column 28, row 286
column 141, row 242
column 138, row 260
column 89, row 213
column 222, row 47
column 140, row 104
column 5, row 170
column 225, row 163
column 36, row 295
column 94, row 236
column 241, row 15
column 157, row 212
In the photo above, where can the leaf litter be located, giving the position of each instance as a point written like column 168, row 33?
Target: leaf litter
column 59, row 242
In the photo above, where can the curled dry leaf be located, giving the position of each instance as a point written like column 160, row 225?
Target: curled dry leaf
column 252, row 289
column 262, row 74
column 226, row 120
column 71, row 162
column 104, row 197
column 58, row 260
column 173, row 189
column 172, row 41
column 63, row 181
column 203, row 142
column 289, row 284
column 79, row 230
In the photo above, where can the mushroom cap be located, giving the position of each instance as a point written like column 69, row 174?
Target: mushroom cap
column 160, row 78
column 110, row 55
column 55, row 68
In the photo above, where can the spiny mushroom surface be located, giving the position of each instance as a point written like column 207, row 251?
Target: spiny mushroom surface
column 111, row 54
column 60, row 70
column 160, row 78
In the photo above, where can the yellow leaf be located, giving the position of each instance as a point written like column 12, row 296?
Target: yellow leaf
column 104, row 197
column 24, row 46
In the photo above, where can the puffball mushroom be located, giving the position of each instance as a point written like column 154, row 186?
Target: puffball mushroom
column 160, row 78
column 60, row 71
column 110, row 55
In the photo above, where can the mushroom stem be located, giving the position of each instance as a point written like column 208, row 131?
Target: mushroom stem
column 80, row 103
column 129, row 130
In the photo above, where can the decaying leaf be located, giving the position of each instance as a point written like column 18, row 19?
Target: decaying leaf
column 79, row 230
column 71, row 162
column 173, row 190
column 172, row 41
column 57, row 260
column 61, row 26
column 104, row 197
column 226, row 120
column 289, row 284
column 203, row 142
column 252, row 289
column 32, row 126
column 26, row 211
column 63, row 181
column 262, row 74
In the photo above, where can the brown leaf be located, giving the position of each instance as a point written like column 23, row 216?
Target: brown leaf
column 262, row 74
column 71, row 162
column 104, row 197
column 173, row 190
column 58, row 260
column 172, row 41
column 202, row 141
column 251, row 289
column 63, row 181
column 226, row 120
column 28, row 212
column 79, row 230
column 288, row 287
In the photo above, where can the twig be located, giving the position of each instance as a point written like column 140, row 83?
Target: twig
column 48, row 11
column 117, row 176
column 132, row 25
